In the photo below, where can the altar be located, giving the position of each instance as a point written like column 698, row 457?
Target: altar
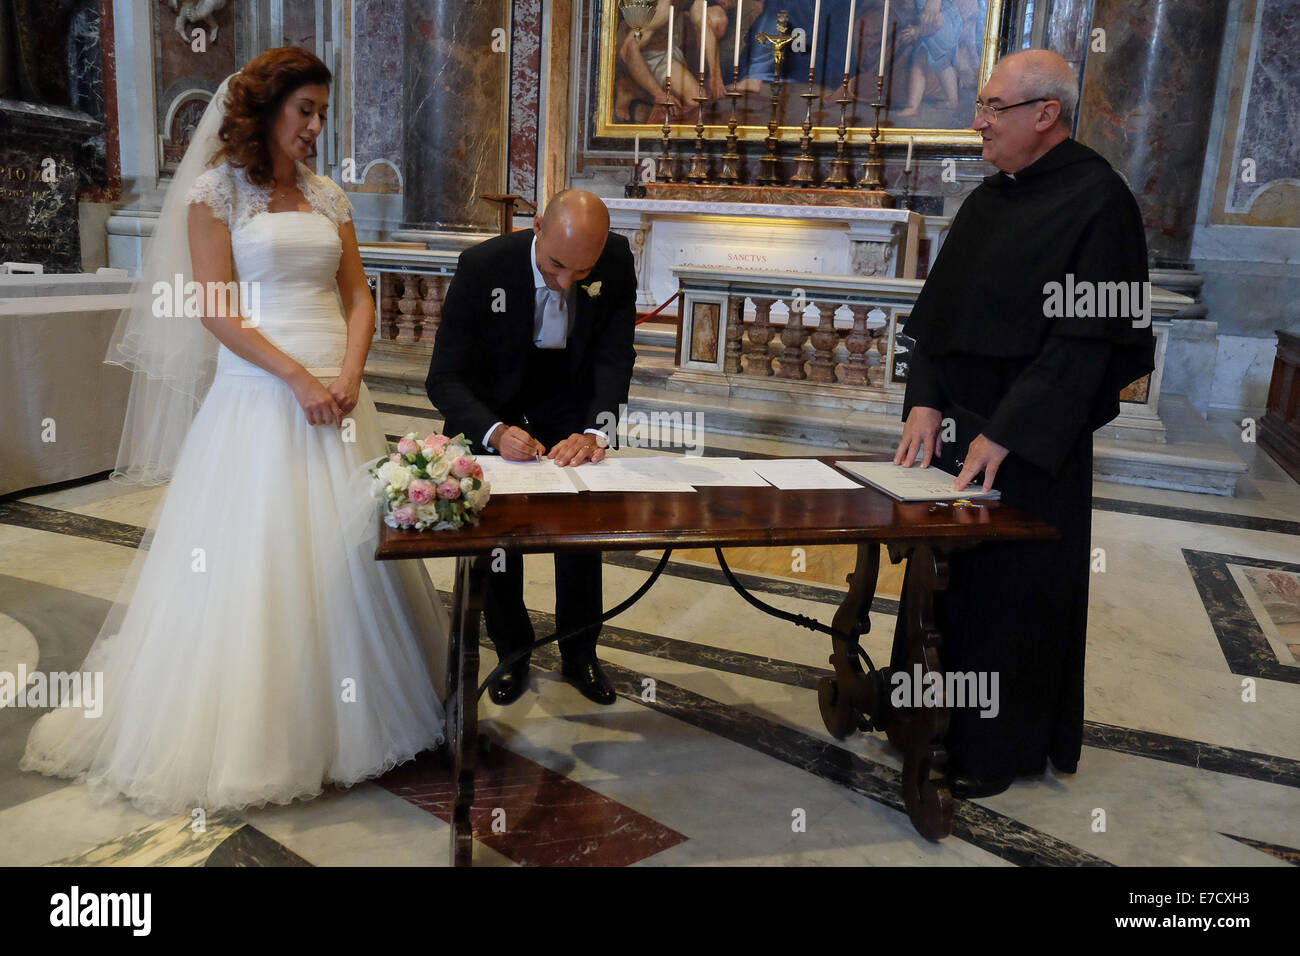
column 761, row 237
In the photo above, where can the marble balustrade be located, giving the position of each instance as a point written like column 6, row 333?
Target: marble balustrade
column 838, row 341
column 825, row 352
column 410, row 285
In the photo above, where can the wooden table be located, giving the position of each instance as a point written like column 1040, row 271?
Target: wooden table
column 732, row 517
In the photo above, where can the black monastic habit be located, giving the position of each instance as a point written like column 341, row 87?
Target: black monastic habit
column 1002, row 359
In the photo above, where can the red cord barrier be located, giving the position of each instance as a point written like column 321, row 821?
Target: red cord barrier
column 651, row 315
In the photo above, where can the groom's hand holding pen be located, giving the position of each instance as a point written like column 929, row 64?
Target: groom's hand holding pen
column 515, row 444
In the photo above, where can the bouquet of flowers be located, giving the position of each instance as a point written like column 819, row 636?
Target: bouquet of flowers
column 431, row 483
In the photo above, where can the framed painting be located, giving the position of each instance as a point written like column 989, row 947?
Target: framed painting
column 703, row 330
column 936, row 55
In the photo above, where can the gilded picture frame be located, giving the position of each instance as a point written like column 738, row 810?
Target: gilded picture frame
column 945, row 49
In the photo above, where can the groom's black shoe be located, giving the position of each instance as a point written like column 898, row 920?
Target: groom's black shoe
column 507, row 688
column 585, row 674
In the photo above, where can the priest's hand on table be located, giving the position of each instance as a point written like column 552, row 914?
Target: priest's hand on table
column 576, row 449
column 920, row 433
column 983, row 455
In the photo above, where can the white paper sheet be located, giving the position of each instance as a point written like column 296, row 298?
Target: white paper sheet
column 527, row 477
column 614, row 475
column 799, row 474
column 915, row 483
column 698, row 472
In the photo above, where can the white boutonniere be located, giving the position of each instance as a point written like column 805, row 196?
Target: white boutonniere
column 592, row 288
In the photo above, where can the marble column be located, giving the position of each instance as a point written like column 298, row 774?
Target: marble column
column 455, row 95
column 1146, row 106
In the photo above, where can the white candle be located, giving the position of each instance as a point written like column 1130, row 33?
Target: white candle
column 848, row 48
column 907, row 167
column 817, row 16
column 668, row 60
column 884, row 39
column 636, row 151
column 704, row 28
column 740, row 5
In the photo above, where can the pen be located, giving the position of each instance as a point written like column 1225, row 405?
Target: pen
column 528, row 425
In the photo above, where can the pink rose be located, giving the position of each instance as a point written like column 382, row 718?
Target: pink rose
column 407, row 447
column 395, row 458
column 404, row 515
column 476, row 471
column 421, row 491
column 462, row 467
column 449, row 489
column 436, row 443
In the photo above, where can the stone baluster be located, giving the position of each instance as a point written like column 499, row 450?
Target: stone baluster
column 389, row 293
column 409, row 305
column 760, row 333
column 824, row 340
column 878, row 374
column 731, row 363
column 793, row 336
column 857, row 342
column 431, row 307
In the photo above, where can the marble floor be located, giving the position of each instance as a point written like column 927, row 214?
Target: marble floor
column 1200, row 595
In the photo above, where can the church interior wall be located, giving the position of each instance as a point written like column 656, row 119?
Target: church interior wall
column 1247, row 238
column 1243, row 248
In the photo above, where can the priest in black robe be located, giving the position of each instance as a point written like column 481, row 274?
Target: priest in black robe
column 1034, row 318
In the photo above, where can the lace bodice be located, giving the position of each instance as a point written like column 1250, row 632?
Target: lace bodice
column 286, row 264
column 235, row 200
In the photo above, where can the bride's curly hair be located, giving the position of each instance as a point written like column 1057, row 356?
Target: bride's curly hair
column 253, row 100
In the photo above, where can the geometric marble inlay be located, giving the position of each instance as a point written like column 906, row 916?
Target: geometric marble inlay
column 1238, row 626
column 1288, row 853
column 533, row 815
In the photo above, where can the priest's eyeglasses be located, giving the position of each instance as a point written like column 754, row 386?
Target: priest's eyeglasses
column 990, row 113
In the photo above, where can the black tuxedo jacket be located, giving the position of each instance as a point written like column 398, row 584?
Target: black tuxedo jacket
column 486, row 334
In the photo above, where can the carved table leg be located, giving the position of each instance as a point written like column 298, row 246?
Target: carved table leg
column 462, row 698
column 919, row 731
column 851, row 695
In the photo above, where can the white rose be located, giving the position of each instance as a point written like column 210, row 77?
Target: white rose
column 477, row 500
column 400, row 478
column 385, row 471
column 452, row 452
column 466, row 486
column 427, row 512
column 439, row 468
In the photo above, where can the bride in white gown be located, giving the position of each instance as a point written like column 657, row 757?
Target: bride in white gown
column 258, row 651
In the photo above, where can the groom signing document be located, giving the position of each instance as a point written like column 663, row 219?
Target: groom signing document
column 534, row 352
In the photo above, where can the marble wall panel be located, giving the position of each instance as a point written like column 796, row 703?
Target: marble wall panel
column 1258, row 176
column 525, row 96
column 454, row 112
column 378, row 67
column 186, row 78
column 1147, row 103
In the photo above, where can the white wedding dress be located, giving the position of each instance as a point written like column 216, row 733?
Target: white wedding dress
column 264, row 652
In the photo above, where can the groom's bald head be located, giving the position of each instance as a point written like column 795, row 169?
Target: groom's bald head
column 571, row 235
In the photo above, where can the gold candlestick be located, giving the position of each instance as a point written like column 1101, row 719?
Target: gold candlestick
column 803, row 171
column 873, row 170
column 839, row 177
column 769, row 167
column 730, row 173
column 699, row 172
column 664, row 167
